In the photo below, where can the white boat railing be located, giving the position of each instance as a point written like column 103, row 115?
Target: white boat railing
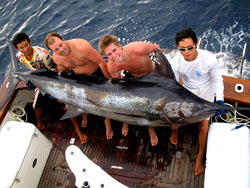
column 243, row 59
column 200, row 44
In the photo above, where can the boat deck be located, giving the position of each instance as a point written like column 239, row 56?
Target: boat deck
column 131, row 159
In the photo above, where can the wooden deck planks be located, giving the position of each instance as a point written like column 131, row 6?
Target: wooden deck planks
column 143, row 165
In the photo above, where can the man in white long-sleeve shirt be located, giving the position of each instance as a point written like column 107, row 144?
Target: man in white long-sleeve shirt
column 200, row 74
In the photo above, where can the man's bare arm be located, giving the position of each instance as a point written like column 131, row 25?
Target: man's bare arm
column 149, row 48
column 104, row 69
column 144, row 47
column 94, row 56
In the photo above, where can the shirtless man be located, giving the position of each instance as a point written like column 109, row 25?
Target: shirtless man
column 79, row 56
column 134, row 58
column 75, row 54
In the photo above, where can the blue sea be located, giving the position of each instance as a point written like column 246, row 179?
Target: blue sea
column 223, row 25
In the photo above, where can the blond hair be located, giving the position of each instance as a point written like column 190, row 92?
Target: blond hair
column 107, row 40
column 49, row 41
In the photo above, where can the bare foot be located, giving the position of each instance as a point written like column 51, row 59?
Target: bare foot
column 125, row 129
column 109, row 131
column 174, row 135
column 83, row 138
column 84, row 120
column 153, row 136
column 199, row 166
column 41, row 126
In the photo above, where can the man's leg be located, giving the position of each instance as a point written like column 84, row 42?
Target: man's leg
column 84, row 120
column 124, row 129
column 81, row 135
column 38, row 114
column 38, row 102
column 174, row 134
column 203, row 132
column 153, row 136
column 109, row 131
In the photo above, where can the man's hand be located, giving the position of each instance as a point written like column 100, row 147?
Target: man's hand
column 221, row 111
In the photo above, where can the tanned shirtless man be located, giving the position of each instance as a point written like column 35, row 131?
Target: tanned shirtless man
column 133, row 58
column 79, row 56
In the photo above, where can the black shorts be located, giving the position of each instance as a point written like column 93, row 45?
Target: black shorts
column 40, row 99
column 98, row 72
column 128, row 75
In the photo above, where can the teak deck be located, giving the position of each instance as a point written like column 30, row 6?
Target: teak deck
column 164, row 165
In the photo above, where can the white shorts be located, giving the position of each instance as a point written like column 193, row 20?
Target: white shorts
column 205, row 92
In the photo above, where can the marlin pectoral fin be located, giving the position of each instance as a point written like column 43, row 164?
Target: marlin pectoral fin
column 162, row 67
column 71, row 112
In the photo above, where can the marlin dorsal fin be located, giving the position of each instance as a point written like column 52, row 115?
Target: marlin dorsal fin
column 162, row 67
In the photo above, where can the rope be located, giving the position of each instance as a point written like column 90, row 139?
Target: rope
column 233, row 116
column 18, row 112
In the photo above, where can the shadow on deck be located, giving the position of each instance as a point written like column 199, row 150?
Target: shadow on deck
column 131, row 159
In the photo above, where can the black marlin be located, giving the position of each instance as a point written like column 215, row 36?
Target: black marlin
column 153, row 100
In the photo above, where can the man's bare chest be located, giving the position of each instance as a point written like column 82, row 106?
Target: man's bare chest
column 75, row 62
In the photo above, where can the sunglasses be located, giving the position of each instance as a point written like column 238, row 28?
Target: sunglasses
column 189, row 48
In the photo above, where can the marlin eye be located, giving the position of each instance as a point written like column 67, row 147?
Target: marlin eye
column 198, row 107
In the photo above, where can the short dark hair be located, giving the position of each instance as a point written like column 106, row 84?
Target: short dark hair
column 19, row 38
column 185, row 33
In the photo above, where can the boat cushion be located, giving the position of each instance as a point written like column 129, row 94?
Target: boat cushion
column 227, row 157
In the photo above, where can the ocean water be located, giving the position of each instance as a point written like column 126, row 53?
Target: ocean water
column 223, row 25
